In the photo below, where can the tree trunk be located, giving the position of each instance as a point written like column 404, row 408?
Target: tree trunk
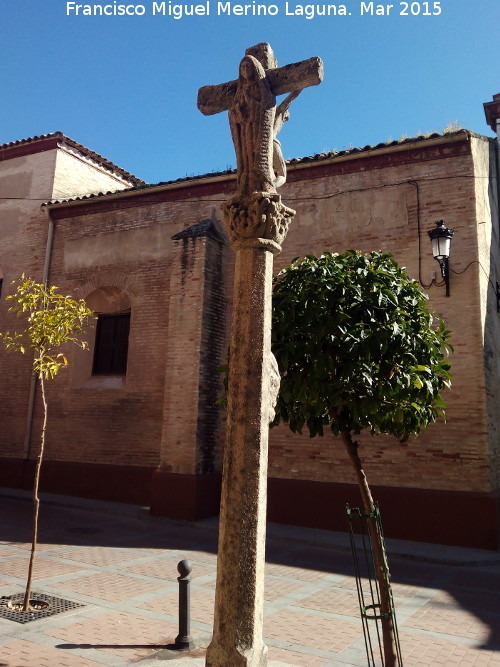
column 381, row 565
column 36, row 502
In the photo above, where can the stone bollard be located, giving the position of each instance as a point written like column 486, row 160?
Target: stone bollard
column 183, row 641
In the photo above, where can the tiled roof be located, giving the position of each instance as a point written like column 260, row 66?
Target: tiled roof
column 95, row 157
column 369, row 147
column 145, row 186
column 318, row 158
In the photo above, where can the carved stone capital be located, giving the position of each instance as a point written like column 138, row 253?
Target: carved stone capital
column 258, row 218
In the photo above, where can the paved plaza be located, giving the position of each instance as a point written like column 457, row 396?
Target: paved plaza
column 120, row 564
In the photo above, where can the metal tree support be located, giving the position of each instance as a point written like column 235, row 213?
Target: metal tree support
column 367, row 585
column 184, row 641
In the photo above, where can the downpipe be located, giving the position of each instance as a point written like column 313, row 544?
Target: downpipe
column 33, row 384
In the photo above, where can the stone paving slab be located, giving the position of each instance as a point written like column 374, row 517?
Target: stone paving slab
column 121, row 565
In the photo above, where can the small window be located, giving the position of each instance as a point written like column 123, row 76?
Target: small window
column 111, row 344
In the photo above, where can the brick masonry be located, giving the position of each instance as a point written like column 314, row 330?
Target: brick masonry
column 161, row 419
column 32, row 172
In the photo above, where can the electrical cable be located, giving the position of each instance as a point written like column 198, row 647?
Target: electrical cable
column 145, row 201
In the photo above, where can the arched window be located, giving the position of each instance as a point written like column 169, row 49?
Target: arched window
column 111, row 344
column 112, row 308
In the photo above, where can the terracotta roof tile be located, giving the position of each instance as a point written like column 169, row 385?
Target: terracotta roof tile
column 319, row 157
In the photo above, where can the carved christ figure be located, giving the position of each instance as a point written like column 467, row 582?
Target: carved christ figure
column 254, row 118
column 282, row 115
column 251, row 119
column 255, row 121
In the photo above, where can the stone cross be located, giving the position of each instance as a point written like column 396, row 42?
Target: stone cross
column 257, row 223
column 254, row 118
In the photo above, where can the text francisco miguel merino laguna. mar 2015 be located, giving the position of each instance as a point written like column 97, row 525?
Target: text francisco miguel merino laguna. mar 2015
column 177, row 11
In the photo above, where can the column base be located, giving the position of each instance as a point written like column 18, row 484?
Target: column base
column 222, row 656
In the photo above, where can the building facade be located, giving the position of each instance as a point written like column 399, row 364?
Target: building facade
column 136, row 418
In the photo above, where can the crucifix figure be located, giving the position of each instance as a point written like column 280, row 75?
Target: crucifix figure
column 257, row 222
column 255, row 121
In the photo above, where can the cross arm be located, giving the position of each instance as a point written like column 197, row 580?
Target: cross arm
column 286, row 79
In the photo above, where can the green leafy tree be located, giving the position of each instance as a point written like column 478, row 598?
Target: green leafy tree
column 50, row 321
column 358, row 350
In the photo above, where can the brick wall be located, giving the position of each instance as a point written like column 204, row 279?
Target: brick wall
column 379, row 208
column 180, row 289
column 147, row 417
column 32, row 172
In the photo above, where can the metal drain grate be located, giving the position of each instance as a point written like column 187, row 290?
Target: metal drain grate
column 55, row 606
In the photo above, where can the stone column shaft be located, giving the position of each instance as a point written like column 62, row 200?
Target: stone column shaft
column 239, row 603
column 256, row 223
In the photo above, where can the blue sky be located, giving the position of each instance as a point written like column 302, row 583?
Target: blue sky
column 126, row 87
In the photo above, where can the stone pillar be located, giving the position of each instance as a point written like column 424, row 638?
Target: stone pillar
column 256, row 222
column 252, row 390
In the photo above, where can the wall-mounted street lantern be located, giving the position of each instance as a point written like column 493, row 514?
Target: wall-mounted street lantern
column 441, row 240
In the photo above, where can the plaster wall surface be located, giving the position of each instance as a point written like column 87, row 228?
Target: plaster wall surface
column 77, row 175
column 25, row 182
column 487, row 208
column 118, row 247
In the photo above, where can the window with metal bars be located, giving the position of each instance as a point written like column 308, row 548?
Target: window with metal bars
column 111, row 344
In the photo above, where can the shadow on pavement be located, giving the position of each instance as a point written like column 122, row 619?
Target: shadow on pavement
column 476, row 588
